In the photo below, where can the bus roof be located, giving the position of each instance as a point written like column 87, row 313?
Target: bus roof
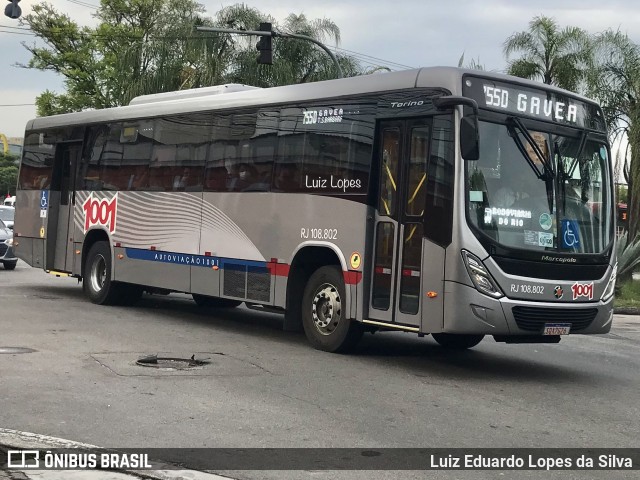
column 175, row 103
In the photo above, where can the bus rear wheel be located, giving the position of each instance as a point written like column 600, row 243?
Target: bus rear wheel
column 323, row 313
column 214, row 302
column 455, row 341
column 97, row 283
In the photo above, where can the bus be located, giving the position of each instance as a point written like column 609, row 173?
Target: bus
column 440, row 201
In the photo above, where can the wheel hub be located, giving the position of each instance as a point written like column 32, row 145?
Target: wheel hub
column 98, row 273
column 326, row 309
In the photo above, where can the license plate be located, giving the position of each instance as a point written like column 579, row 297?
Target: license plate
column 556, row 328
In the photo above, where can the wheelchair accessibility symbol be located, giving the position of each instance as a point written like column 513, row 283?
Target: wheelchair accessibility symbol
column 44, row 203
column 570, row 234
column 44, row 199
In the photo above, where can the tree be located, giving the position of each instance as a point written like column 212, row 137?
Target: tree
column 472, row 65
column 8, row 174
column 151, row 46
column 138, row 46
column 552, row 55
column 615, row 82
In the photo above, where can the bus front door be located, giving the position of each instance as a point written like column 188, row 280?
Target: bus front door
column 397, row 253
column 60, row 254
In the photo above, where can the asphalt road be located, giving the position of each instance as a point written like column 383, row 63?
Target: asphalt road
column 267, row 388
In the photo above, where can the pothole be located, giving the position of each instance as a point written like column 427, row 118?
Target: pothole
column 14, row 350
column 174, row 363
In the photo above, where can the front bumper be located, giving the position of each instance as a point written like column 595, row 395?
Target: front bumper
column 469, row 311
column 7, row 254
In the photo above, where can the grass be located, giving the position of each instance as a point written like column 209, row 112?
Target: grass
column 629, row 295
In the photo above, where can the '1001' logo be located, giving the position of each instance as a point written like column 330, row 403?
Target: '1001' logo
column 100, row 212
column 582, row 290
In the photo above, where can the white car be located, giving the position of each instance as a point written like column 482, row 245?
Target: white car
column 7, row 256
column 10, row 201
column 7, row 215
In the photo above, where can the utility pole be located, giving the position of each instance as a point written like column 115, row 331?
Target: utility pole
column 266, row 46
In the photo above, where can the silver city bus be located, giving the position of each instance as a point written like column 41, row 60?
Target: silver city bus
column 437, row 201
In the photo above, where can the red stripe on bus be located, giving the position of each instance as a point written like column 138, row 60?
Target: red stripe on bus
column 352, row 278
column 207, row 254
column 278, row 269
column 152, row 247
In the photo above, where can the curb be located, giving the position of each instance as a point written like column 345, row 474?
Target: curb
column 27, row 440
column 626, row 311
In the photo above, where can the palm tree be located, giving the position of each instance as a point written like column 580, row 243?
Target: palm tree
column 553, row 56
column 615, row 82
column 472, row 65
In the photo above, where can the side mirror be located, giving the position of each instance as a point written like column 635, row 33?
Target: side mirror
column 469, row 138
column 469, row 134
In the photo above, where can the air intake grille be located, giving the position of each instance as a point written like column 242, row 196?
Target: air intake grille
column 259, row 284
column 533, row 319
column 3, row 249
column 235, row 278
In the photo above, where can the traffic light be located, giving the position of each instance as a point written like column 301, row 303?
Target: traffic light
column 264, row 45
column 13, row 10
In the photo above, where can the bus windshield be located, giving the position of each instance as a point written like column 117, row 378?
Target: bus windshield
column 537, row 190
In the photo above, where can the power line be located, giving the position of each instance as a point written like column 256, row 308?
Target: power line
column 15, row 28
column 388, row 62
column 83, row 4
column 369, row 59
column 361, row 57
column 18, row 33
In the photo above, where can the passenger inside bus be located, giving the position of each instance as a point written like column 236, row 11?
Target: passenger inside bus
column 248, row 178
column 286, row 178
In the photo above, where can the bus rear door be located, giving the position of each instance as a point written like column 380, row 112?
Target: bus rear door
column 60, row 255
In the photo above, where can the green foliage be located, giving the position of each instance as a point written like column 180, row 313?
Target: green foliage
column 628, row 256
column 627, row 294
column 549, row 54
column 472, row 65
column 150, row 46
column 8, row 174
column 615, row 82
column 621, row 193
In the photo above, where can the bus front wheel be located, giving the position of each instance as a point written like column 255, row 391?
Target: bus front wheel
column 324, row 315
column 457, row 341
column 97, row 283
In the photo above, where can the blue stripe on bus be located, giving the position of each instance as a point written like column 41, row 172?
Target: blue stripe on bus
column 192, row 260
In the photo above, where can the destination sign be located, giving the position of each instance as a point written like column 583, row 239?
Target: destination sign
column 534, row 103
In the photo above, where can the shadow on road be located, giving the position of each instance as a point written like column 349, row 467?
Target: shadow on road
column 421, row 357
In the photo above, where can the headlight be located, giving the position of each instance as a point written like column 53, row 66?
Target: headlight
column 611, row 285
column 480, row 276
column 9, row 241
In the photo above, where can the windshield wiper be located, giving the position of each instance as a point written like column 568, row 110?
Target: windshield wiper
column 562, row 175
column 547, row 169
column 583, row 142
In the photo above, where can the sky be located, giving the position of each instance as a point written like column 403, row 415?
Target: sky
column 399, row 34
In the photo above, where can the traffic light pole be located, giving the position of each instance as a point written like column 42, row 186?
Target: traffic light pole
column 274, row 34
